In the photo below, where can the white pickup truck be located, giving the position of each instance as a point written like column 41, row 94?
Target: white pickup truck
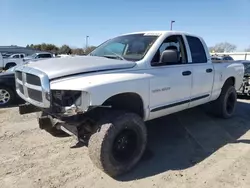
column 104, row 98
column 6, row 63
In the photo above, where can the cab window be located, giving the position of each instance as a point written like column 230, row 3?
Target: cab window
column 197, row 50
column 174, row 42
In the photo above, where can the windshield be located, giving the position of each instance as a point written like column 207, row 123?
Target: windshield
column 129, row 47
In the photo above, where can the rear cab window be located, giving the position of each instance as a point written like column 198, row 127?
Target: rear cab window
column 197, row 50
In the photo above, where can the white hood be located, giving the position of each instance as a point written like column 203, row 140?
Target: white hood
column 60, row 67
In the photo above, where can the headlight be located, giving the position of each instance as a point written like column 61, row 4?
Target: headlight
column 47, row 96
column 66, row 97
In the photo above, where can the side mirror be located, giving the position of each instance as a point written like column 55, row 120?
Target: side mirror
column 169, row 57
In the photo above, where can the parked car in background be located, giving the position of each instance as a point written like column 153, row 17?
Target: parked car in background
column 8, row 95
column 17, row 56
column 221, row 57
column 6, row 63
column 38, row 56
column 6, row 55
column 104, row 98
column 244, row 90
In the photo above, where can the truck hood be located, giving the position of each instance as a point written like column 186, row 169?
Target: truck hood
column 60, row 67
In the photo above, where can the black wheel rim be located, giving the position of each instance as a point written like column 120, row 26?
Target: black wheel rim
column 230, row 103
column 124, row 146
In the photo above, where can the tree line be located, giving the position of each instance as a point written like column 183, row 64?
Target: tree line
column 64, row 49
column 225, row 47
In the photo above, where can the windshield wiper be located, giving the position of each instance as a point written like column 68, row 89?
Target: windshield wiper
column 113, row 57
column 117, row 56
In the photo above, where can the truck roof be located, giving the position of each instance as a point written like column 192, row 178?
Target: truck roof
column 163, row 32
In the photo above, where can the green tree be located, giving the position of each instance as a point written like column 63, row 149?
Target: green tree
column 37, row 46
column 65, row 49
column 44, row 47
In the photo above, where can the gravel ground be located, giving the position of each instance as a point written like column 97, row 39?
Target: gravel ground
column 186, row 150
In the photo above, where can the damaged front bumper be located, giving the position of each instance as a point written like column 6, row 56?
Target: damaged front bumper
column 78, row 125
column 28, row 108
column 62, row 104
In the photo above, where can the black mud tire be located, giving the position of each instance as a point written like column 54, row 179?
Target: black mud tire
column 104, row 144
column 225, row 105
column 47, row 123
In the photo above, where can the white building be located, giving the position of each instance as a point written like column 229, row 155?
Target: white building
column 17, row 49
column 236, row 55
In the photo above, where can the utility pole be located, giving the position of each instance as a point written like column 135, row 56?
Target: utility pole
column 171, row 25
column 87, row 37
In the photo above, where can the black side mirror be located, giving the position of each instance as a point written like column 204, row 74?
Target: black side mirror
column 169, row 57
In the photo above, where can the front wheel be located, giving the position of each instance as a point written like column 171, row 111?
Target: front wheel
column 119, row 143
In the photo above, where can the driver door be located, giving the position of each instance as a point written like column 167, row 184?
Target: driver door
column 170, row 85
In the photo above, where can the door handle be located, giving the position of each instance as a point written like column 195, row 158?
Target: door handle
column 209, row 70
column 186, row 73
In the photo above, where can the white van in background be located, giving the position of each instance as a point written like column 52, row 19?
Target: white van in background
column 38, row 56
column 17, row 56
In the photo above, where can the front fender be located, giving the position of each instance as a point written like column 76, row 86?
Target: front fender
column 103, row 86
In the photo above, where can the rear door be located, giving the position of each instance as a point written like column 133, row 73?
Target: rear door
column 170, row 85
column 203, row 72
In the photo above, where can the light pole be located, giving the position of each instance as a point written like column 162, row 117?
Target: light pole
column 87, row 37
column 171, row 27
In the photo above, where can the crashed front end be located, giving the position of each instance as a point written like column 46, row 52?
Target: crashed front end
column 245, row 87
column 33, row 86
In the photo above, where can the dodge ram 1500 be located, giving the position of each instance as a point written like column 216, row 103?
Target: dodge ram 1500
column 104, row 98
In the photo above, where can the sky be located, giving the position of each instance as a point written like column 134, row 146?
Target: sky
column 70, row 21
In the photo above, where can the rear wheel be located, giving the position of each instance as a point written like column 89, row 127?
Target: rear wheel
column 225, row 105
column 119, row 143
